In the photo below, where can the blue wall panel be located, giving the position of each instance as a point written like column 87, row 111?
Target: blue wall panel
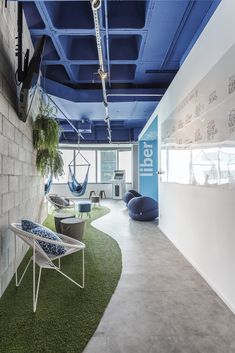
column 148, row 167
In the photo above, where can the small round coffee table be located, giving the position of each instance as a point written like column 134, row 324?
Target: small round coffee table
column 58, row 217
column 73, row 227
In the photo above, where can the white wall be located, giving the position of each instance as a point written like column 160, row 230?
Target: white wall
column 200, row 221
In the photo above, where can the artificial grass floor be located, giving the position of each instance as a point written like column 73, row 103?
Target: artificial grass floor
column 66, row 315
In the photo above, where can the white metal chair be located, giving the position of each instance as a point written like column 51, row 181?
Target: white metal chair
column 44, row 260
column 57, row 206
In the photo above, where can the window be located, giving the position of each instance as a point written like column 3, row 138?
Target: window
column 205, row 166
column 227, row 165
column 106, row 164
column 179, row 166
column 67, row 156
column 102, row 165
column 125, row 164
column 80, row 171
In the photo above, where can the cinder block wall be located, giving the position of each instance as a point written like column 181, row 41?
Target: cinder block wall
column 21, row 188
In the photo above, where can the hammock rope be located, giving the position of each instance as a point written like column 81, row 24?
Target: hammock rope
column 76, row 188
column 47, row 186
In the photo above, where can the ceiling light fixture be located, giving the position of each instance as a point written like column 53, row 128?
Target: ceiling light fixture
column 103, row 74
column 95, row 4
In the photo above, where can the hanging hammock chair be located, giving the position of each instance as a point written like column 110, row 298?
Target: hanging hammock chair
column 76, row 188
column 47, row 186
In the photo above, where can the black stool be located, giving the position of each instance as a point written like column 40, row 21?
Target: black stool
column 102, row 194
column 92, row 192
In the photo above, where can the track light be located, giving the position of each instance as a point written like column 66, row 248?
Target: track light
column 103, row 74
column 95, row 4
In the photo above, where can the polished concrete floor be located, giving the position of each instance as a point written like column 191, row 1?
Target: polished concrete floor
column 161, row 304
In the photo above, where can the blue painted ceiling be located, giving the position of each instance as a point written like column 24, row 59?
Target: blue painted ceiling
column 147, row 42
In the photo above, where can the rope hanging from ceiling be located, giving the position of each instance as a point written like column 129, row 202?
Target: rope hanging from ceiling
column 96, row 5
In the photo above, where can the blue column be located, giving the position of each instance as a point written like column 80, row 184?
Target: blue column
column 148, row 167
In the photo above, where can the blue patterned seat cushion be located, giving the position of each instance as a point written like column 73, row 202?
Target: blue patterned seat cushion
column 60, row 201
column 44, row 232
column 28, row 225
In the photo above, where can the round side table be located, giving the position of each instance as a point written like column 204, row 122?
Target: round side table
column 73, row 227
column 58, row 217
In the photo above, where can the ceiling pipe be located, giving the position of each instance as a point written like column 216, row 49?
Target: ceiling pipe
column 135, row 95
column 66, row 118
column 107, row 39
column 95, row 5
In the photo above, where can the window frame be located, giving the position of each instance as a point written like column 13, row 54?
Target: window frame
column 96, row 150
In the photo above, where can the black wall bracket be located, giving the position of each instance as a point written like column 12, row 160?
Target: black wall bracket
column 22, row 69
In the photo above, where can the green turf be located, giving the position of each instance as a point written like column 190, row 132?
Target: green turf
column 66, row 315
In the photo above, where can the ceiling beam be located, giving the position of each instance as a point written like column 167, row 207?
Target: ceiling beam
column 95, row 95
column 178, row 33
column 53, row 35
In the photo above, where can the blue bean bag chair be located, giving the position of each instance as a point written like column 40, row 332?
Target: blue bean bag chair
column 127, row 197
column 135, row 193
column 143, row 208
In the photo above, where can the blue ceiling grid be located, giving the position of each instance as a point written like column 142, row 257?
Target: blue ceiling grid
column 148, row 40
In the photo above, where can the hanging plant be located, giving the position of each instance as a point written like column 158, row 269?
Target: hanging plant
column 43, row 162
column 57, row 164
column 45, row 128
column 46, row 140
column 50, row 163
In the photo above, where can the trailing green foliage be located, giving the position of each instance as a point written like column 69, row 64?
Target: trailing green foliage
column 46, row 140
column 45, row 133
column 58, row 164
column 48, row 162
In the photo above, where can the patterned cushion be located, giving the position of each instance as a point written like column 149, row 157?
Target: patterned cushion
column 29, row 225
column 44, row 232
column 59, row 200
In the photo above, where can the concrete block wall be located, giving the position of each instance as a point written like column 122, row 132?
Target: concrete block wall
column 21, row 187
